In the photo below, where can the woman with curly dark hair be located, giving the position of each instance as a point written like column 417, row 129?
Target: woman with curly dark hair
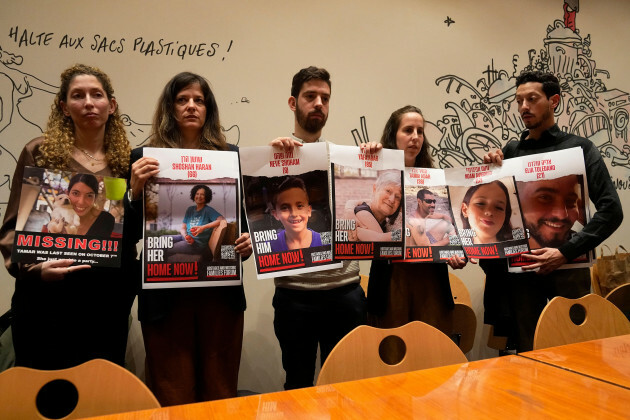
column 66, row 314
column 192, row 336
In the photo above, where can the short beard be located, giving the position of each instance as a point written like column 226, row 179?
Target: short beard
column 310, row 125
column 554, row 242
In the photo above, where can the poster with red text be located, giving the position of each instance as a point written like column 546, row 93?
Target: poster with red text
column 192, row 219
column 368, row 201
column 553, row 194
column 430, row 232
column 69, row 215
column 287, row 203
column 486, row 210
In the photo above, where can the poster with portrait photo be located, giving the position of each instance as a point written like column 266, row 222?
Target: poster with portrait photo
column 486, row 211
column 553, row 194
column 191, row 220
column 287, row 204
column 69, row 215
column 368, row 203
column 430, row 232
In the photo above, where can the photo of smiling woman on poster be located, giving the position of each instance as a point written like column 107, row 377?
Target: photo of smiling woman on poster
column 376, row 215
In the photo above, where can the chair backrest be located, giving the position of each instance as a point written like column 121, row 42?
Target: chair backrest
column 464, row 318
column 459, row 290
column 97, row 387
column 357, row 356
column 620, row 297
column 596, row 318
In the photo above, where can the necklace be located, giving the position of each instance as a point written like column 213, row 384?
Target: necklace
column 88, row 155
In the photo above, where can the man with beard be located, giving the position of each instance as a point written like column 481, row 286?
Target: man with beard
column 425, row 223
column 550, row 208
column 313, row 309
column 513, row 301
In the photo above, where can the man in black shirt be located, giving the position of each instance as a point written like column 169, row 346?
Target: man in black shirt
column 513, row 302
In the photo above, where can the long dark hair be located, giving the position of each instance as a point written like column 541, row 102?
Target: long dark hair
column 505, row 233
column 87, row 179
column 165, row 130
column 388, row 139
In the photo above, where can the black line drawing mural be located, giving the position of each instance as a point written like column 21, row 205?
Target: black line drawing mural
column 449, row 21
column 483, row 116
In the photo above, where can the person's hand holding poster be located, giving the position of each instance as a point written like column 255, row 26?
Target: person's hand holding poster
column 369, row 204
column 192, row 219
column 486, row 210
column 553, row 194
column 69, row 215
column 430, row 233
column 287, row 204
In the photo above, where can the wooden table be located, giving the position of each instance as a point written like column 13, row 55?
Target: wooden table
column 607, row 359
column 499, row 388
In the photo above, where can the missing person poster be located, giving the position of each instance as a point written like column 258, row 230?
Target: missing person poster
column 486, row 210
column 287, row 203
column 553, row 193
column 192, row 219
column 368, row 203
column 430, row 233
column 69, row 215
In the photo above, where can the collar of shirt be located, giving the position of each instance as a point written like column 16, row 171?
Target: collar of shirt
column 302, row 141
column 548, row 137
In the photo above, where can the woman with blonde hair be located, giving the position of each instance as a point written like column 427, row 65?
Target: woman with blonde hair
column 66, row 314
column 192, row 336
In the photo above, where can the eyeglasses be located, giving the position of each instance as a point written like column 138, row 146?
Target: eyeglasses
column 429, row 201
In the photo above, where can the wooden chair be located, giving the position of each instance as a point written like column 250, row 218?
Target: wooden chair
column 357, row 356
column 97, row 387
column 365, row 279
column 464, row 318
column 601, row 319
column 620, row 297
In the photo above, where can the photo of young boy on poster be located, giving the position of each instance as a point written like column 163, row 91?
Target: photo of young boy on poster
column 430, row 234
column 69, row 215
column 486, row 210
column 368, row 203
column 553, row 194
column 192, row 219
column 287, row 204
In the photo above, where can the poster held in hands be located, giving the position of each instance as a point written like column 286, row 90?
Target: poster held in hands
column 553, row 194
column 486, row 210
column 192, row 219
column 430, row 233
column 70, row 215
column 368, row 203
column 287, row 203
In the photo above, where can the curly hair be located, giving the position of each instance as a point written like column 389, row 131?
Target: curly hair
column 388, row 139
column 56, row 150
column 206, row 191
column 165, row 129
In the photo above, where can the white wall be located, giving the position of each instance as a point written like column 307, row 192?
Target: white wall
column 382, row 55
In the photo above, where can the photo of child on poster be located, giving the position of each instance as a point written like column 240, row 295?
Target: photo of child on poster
column 487, row 215
column 69, row 215
column 287, row 203
column 191, row 224
column 430, row 234
column 369, row 204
